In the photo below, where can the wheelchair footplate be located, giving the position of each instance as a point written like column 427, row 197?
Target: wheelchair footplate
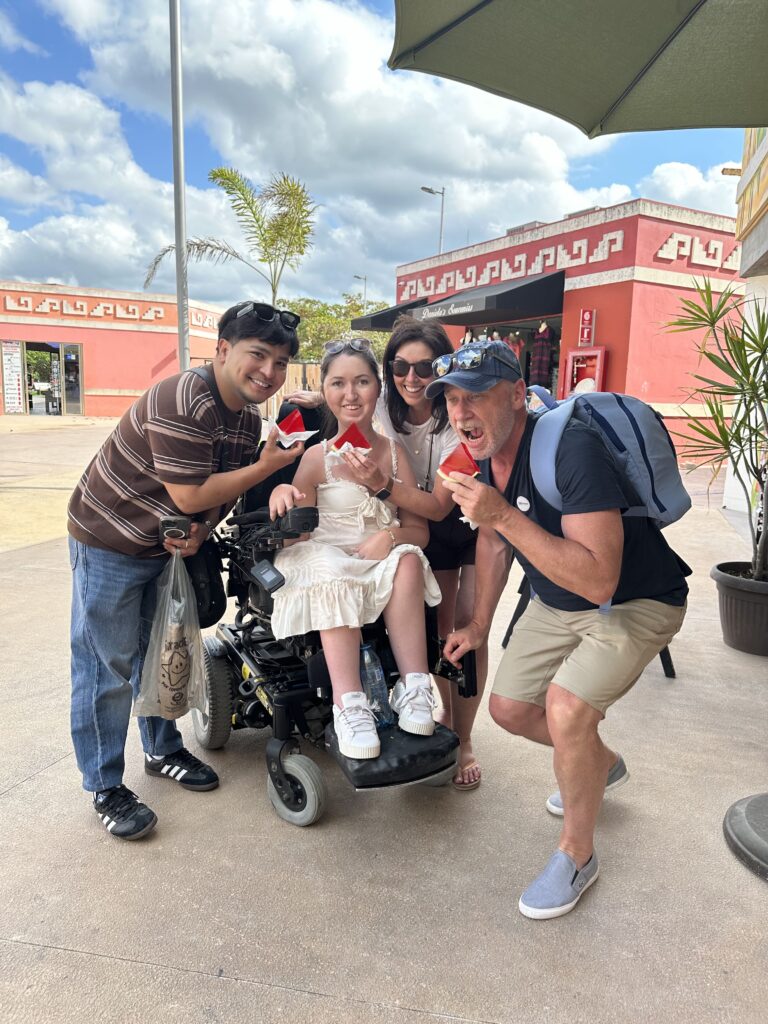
column 404, row 758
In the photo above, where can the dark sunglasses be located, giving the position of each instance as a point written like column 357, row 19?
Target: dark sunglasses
column 332, row 348
column 263, row 311
column 471, row 358
column 422, row 367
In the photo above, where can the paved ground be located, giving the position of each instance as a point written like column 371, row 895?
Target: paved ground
column 399, row 906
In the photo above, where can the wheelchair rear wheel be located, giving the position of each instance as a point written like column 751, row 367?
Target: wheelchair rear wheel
column 212, row 728
column 308, row 791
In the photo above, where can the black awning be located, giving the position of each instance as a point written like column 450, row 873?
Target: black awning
column 499, row 303
column 384, row 319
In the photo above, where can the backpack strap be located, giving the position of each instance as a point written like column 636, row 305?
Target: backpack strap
column 544, row 395
column 547, row 433
column 206, row 373
column 545, row 440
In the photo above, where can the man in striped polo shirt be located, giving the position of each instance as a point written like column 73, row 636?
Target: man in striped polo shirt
column 180, row 449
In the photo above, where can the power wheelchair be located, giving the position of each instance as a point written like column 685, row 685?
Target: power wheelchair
column 256, row 681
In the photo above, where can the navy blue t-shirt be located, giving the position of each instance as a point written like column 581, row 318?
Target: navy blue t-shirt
column 589, row 482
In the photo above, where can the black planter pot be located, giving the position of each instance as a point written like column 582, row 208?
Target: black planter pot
column 743, row 608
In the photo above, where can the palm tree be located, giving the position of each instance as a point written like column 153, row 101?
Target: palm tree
column 277, row 223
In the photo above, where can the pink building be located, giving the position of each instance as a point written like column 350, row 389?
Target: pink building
column 92, row 352
column 605, row 281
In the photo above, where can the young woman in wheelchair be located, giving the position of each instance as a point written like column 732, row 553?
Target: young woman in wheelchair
column 363, row 560
column 421, row 426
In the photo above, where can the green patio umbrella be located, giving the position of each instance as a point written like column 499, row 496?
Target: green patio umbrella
column 604, row 65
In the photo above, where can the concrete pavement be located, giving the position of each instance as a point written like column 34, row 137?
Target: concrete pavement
column 398, row 906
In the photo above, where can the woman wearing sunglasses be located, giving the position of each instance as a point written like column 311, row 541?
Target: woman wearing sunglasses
column 421, row 426
column 364, row 559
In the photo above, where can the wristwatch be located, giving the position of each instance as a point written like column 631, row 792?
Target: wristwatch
column 386, row 490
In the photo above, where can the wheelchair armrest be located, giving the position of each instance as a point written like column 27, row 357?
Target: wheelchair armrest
column 295, row 522
column 260, row 516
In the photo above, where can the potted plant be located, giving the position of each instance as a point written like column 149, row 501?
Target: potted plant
column 733, row 429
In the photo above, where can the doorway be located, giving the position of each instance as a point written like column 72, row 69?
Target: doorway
column 53, row 378
column 521, row 336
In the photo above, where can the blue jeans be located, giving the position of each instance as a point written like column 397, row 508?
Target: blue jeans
column 113, row 601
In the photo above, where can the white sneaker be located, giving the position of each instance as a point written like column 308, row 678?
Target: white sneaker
column 356, row 727
column 413, row 701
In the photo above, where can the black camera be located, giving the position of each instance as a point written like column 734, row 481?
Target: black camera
column 174, row 527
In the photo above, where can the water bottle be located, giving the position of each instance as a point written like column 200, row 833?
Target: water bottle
column 375, row 686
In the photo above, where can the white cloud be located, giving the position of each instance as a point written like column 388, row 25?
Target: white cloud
column 291, row 86
column 84, row 17
column 686, row 185
column 11, row 39
column 26, row 191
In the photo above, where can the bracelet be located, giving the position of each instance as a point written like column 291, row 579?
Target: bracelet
column 394, row 542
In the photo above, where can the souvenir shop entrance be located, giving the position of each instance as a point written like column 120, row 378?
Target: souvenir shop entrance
column 526, row 314
column 42, row 378
column 535, row 342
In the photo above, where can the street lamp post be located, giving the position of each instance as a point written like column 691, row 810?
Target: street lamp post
column 182, row 305
column 438, row 192
column 364, row 279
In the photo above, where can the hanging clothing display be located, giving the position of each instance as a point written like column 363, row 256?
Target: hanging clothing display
column 541, row 356
column 516, row 342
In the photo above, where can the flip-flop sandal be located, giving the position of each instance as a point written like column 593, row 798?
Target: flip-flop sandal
column 466, row 786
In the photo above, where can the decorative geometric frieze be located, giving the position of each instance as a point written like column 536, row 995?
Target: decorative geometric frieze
column 81, row 308
column 198, row 319
column 701, row 253
column 512, row 267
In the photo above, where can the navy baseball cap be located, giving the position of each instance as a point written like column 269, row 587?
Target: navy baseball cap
column 477, row 367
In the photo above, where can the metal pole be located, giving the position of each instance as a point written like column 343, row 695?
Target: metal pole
column 364, row 279
column 180, row 218
column 442, row 217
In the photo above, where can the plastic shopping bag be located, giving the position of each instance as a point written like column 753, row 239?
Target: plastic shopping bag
column 173, row 677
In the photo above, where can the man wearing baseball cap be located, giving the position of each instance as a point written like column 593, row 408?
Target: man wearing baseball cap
column 568, row 660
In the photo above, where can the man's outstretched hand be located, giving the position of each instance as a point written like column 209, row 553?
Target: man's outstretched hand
column 463, row 640
column 275, row 457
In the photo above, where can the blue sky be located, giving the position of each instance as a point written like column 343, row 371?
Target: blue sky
column 85, row 145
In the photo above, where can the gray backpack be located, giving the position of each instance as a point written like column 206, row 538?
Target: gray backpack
column 634, row 435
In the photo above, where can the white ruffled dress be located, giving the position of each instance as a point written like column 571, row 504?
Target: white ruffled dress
column 326, row 584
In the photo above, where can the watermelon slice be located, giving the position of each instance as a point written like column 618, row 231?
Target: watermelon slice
column 355, row 438
column 459, row 461
column 292, row 423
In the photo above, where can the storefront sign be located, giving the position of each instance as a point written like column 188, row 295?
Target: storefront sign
column 587, row 328
column 13, row 380
column 446, row 309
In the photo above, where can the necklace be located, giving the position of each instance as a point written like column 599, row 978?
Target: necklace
column 431, row 423
column 429, row 461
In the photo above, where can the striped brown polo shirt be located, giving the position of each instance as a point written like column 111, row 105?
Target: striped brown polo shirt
column 173, row 434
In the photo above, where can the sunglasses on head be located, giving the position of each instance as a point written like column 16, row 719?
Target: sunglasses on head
column 471, row 357
column 263, row 311
column 422, row 368
column 332, row 348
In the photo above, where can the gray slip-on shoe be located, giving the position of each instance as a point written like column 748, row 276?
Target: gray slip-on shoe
column 558, row 888
column 617, row 776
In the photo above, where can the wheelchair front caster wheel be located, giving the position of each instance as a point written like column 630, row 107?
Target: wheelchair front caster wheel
column 307, row 791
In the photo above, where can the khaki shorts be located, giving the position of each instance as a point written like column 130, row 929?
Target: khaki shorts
column 597, row 657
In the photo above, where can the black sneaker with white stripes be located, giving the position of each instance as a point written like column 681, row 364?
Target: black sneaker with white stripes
column 186, row 769
column 122, row 814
